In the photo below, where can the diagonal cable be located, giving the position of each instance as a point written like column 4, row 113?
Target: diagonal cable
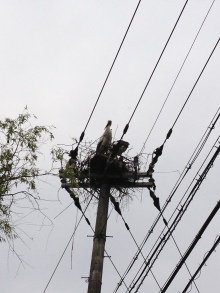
column 127, row 125
column 76, row 226
column 109, row 72
column 188, row 167
column 177, row 76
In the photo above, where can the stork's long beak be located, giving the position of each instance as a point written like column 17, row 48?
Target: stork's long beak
column 109, row 123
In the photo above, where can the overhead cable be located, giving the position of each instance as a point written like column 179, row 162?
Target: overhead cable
column 191, row 247
column 72, row 194
column 158, row 151
column 202, row 264
column 177, row 75
column 118, row 210
column 127, row 125
column 196, row 83
column 116, row 56
column 76, row 226
column 181, row 256
column 165, row 237
column 188, row 167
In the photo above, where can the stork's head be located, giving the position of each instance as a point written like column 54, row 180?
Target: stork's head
column 109, row 123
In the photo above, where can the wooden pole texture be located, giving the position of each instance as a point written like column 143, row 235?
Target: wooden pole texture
column 96, row 268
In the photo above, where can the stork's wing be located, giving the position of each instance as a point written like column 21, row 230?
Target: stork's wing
column 98, row 145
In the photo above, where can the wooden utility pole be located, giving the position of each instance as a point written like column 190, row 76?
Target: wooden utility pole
column 105, row 181
column 96, row 268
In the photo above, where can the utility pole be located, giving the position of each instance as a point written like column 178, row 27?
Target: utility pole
column 96, row 268
column 104, row 181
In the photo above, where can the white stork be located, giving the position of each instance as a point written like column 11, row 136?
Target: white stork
column 105, row 140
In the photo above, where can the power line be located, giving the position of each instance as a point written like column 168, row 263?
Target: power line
column 127, row 125
column 116, row 269
column 118, row 210
column 184, row 262
column 67, row 246
column 187, row 99
column 76, row 226
column 177, row 76
column 158, row 151
column 116, row 56
column 191, row 247
column 63, row 210
column 195, row 83
column 202, row 264
column 184, row 207
column 206, row 136
column 189, row 165
column 165, row 237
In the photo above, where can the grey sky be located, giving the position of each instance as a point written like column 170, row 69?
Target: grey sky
column 54, row 58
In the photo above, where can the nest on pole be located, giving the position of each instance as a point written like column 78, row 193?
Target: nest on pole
column 90, row 170
column 87, row 170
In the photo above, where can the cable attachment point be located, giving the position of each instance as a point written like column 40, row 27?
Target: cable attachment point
column 127, row 227
column 116, row 204
column 87, row 220
column 126, row 129
column 158, row 152
column 81, row 137
column 169, row 133
column 156, row 200
column 165, row 221
column 73, row 154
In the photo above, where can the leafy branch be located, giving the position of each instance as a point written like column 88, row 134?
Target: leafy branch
column 20, row 144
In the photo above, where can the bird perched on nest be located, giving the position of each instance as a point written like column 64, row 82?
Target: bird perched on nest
column 119, row 147
column 105, row 140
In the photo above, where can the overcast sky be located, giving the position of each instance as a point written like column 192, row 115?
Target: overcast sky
column 54, row 58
